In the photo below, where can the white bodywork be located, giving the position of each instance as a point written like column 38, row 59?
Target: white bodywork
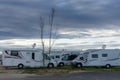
column 29, row 58
column 100, row 57
column 56, row 55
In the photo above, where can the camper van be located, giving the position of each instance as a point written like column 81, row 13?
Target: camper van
column 26, row 58
column 56, row 55
column 66, row 59
column 63, row 57
column 98, row 57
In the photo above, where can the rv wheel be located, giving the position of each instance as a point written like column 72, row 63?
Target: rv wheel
column 61, row 64
column 107, row 66
column 79, row 65
column 50, row 65
column 20, row 66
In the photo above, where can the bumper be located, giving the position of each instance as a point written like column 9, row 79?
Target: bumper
column 73, row 63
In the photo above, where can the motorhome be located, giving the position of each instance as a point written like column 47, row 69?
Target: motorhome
column 26, row 58
column 66, row 59
column 56, row 55
column 98, row 57
column 63, row 57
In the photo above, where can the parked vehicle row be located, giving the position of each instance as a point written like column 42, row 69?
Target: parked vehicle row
column 34, row 58
column 93, row 57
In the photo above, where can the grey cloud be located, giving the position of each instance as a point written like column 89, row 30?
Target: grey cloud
column 68, row 44
column 85, row 46
column 20, row 19
column 106, row 42
column 62, row 44
column 72, row 36
column 90, row 18
column 82, row 46
column 114, row 45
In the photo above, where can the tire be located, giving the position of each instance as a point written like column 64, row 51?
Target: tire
column 61, row 64
column 20, row 66
column 108, row 66
column 50, row 65
column 79, row 65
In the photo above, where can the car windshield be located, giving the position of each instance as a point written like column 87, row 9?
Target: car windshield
column 46, row 57
column 69, row 57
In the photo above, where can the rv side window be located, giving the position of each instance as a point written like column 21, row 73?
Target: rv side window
column 81, row 58
column 57, row 56
column 94, row 55
column 104, row 55
column 52, row 57
column 14, row 53
column 86, row 53
column 33, row 56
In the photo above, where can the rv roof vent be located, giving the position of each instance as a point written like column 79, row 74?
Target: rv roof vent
column 104, row 46
column 34, row 45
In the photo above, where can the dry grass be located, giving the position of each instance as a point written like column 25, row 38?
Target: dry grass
column 59, row 71
column 53, row 71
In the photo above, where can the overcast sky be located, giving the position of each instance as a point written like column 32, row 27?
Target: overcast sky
column 80, row 24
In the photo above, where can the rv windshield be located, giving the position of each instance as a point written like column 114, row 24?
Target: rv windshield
column 65, row 57
column 46, row 57
column 69, row 57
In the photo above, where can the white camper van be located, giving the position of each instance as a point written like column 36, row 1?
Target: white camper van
column 26, row 57
column 63, row 57
column 98, row 57
column 57, row 55
column 66, row 59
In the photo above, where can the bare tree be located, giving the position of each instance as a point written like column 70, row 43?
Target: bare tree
column 51, row 43
column 42, row 37
column 51, row 19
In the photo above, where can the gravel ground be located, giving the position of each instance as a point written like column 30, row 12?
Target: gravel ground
column 15, row 74
column 73, row 76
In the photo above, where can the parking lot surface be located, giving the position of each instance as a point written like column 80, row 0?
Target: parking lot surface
column 74, row 76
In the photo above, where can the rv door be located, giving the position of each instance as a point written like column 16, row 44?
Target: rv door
column 28, row 59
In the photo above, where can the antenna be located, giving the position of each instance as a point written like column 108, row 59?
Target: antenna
column 34, row 45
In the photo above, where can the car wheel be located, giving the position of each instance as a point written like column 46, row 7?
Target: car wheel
column 50, row 65
column 108, row 66
column 20, row 66
column 79, row 65
column 61, row 64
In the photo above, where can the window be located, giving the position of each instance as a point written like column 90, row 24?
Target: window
column 69, row 57
column 33, row 56
column 65, row 57
column 86, row 53
column 46, row 57
column 94, row 55
column 81, row 58
column 57, row 56
column 104, row 55
column 52, row 57
column 14, row 53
